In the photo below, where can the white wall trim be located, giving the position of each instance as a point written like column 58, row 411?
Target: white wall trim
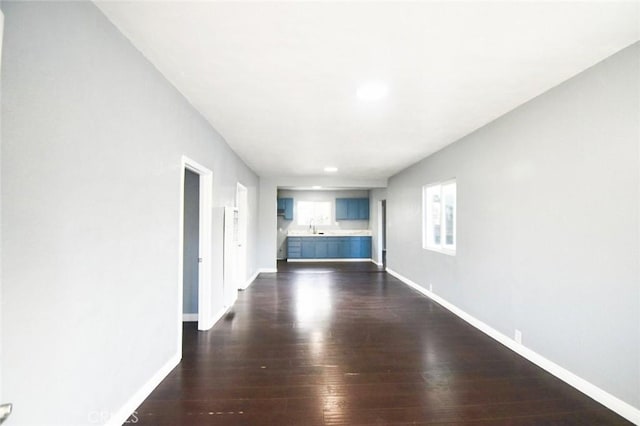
column 189, row 317
column 215, row 318
column 204, row 241
column 267, row 270
column 331, row 260
column 380, row 234
column 376, row 263
column 626, row 410
column 249, row 281
column 123, row 414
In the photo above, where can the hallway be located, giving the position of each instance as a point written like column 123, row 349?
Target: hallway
column 345, row 343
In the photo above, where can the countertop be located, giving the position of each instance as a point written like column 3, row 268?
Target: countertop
column 333, row 233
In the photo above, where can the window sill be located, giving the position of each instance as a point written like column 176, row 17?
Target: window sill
column 448, row 252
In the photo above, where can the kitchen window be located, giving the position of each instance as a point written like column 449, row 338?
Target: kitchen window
column 439, row 217
column 314, row 213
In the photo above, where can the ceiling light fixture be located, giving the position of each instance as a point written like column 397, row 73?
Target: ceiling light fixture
column 330, row 169
column 372, row 91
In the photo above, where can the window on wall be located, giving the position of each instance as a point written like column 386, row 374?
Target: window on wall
column 439, row 217
column 314, row 213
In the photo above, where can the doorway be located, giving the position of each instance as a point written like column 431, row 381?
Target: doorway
column 382, row 233
column 195, row 246
column 191, row 246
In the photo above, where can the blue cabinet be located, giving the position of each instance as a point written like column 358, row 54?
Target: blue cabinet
column 352, row 209
column 333, row 248
column 365, row 247
column 285, row 208
column 294, row 247
column 342, row 212
column 354, row 247
column 329, row 247
column 322, row 249
column 363, row 208
column 308, row 248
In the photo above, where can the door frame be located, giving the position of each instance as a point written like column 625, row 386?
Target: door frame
column 380, row 245
column 204, row 245
column 243, row 230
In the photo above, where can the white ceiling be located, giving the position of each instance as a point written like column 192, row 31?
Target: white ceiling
column 278, row 80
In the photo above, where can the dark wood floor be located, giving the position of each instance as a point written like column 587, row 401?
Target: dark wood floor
column 324, row 344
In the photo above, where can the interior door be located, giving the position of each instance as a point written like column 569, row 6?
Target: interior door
column 242, row 204
column 230, row 285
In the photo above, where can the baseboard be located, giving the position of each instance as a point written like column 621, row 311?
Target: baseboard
column 125, row 413
column 189, row 317
column 267, row 270
column 214, row 319
column 250, row 280
column 127, row 410
column 376, row 263
column 624, row 409
column 330, row 260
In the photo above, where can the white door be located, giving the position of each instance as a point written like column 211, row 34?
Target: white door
column 243, row 212
column 230, row 285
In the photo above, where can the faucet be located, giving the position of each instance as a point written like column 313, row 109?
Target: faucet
column 312, row 227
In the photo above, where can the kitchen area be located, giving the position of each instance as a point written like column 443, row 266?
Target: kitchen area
column 325, row 224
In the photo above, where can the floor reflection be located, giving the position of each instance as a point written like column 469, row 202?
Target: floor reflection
column 343, row 344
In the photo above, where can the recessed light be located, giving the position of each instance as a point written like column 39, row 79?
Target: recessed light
column 316, row 187
column 372, row 91
column 330, row 169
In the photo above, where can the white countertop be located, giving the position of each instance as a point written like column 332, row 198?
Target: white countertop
column 332, row 233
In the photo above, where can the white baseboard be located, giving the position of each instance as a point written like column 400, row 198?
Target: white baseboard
column 124, row 413
column 214, row 319
column 189, row 317
column 250, row 280
column 626, row 410
column 330, row 260
column 267, row 270
column 376, row 263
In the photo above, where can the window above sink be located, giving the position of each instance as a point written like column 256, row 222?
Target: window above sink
column 313, row 213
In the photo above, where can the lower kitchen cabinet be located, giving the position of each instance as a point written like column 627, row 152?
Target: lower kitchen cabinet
column 329, row 247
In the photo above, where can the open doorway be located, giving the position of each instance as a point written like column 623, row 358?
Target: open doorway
column 191, row 246
column 382, row 233
column 195, row 245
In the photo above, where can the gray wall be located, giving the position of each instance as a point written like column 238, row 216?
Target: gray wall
column 548, row 225
column 92, row 140
column 191, row 243
column 285, row 226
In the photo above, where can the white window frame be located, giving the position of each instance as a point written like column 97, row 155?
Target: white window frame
column 426, row 243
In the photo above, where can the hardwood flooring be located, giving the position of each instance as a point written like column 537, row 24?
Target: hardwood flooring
column 347, row 344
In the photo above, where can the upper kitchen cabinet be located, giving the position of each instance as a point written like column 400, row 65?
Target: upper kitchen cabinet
column 352, row 209
column 285, row 208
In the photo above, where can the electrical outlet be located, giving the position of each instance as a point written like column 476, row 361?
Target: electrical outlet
column 518, row 336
